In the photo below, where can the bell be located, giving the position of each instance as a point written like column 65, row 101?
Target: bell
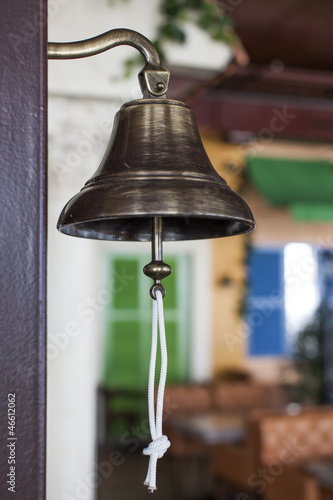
column 155, row 166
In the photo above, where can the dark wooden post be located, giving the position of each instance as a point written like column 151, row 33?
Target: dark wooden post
column 23, row 140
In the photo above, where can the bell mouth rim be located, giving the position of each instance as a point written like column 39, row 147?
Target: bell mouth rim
column 99, row 208
column 84, row 227
column 162, row 215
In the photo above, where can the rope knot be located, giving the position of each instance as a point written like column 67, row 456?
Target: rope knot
column 157, row 447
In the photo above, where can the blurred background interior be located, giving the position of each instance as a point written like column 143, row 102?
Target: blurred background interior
column 249, row 319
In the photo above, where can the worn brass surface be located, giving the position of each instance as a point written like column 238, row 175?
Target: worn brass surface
column 101, row 43
column 155, row 166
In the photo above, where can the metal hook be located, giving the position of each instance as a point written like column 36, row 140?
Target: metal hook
column 153, row 78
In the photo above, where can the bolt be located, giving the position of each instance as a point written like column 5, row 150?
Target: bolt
column 159, row 86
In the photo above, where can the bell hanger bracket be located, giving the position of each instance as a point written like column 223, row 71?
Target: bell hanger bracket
column 153, row 77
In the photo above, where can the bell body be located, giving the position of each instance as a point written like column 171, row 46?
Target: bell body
column 155, row 166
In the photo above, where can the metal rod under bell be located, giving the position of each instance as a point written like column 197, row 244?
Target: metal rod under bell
column 157, row 250
column 157, row 269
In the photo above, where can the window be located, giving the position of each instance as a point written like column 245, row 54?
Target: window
column 284, row 293
column 128, row 322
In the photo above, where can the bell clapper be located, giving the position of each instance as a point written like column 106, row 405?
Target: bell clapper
column 157, row 269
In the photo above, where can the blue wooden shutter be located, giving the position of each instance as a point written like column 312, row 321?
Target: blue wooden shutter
column 265, row 311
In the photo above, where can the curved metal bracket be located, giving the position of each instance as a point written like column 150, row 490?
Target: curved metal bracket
column 153, row 77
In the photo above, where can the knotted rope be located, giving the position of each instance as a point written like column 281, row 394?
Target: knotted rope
column 160, row 443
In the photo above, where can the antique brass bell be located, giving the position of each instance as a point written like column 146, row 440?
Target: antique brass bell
column 155, row 166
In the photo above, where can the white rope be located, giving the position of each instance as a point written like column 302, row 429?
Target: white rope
column 160, row 443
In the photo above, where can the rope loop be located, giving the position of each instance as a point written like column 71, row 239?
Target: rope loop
column 160, row 443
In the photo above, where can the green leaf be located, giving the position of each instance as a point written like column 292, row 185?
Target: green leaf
column 172, row 32
column 171, row 7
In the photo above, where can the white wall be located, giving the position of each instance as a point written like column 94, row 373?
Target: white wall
column 72, row 367
column 73, row 343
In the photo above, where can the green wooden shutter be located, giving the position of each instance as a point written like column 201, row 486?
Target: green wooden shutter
column 128, row 322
